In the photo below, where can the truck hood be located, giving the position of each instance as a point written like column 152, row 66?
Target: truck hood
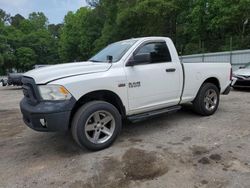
column 242, row 72
column 55, row 72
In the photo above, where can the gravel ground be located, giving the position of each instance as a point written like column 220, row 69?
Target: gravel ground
column 176, row 150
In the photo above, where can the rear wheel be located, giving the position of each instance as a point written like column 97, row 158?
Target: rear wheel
column 207, row 100
column 96, row 125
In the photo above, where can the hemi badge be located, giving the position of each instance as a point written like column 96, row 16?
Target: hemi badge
column 121, row 85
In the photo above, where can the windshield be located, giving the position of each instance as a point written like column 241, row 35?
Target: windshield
column 115, row 51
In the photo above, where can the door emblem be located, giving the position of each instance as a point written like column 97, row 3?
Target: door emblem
column 134, row 84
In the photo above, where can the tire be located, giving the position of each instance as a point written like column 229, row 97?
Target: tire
column 96, row 125
column 235, row 88
column 207, row 100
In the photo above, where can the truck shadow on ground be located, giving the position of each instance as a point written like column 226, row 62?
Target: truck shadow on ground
column 157, row 123
column 63, row 143
column 25, row 141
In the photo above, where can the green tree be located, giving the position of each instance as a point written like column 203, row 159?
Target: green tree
column 16, row 20
column 69, row 39
column 2, row 71
column 38, row 20
column 6, row 51
column 32, row 36
column 44, row 46
column 55, row 29
column 79, row 33
column 26, row 58
column 148, row 18
column 109, row 10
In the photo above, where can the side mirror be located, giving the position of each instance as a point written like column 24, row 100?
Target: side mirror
column 139, row 59
column 109, row 58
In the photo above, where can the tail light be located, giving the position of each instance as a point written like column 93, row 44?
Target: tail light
column 231, row 74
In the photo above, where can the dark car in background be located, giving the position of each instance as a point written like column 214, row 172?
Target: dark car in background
column 15, row 79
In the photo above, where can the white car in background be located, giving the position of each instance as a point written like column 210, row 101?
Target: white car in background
column 3, row 81
column 241, row 77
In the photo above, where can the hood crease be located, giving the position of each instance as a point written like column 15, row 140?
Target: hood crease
column 48, row 74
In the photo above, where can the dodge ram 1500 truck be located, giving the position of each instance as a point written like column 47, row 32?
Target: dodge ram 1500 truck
column 132, row 79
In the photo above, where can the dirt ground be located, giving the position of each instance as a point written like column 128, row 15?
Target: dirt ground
column 176, row 150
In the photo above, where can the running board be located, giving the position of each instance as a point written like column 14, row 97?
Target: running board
column 143, row 116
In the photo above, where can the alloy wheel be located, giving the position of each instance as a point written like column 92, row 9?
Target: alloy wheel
column 210, row 99
column 99, row 127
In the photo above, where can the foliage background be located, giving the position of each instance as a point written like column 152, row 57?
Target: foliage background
column 194, row 25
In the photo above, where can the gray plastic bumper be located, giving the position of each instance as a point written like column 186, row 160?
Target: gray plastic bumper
column 47, row 116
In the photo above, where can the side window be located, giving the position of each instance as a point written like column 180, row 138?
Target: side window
column 158, row 51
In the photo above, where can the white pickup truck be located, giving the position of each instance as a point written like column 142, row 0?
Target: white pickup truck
column 132, row 79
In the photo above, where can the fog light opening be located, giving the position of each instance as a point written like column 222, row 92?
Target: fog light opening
column 43, row 123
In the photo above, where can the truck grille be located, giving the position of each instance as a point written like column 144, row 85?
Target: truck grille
column 26, row 92
column 30, row 90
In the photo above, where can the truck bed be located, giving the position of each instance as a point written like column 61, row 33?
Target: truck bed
column 194, row 76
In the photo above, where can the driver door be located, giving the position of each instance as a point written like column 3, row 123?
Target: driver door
column 155, row 84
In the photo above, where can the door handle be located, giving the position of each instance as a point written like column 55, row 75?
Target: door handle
column 171, row 70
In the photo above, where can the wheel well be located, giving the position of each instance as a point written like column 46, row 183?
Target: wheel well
column 103, row 95
column 214, row 81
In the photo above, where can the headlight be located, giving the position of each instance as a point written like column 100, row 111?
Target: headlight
column 54, row 92
column 235, row 76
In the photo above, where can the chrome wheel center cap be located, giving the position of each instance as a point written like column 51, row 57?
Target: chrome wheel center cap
column 99, row 126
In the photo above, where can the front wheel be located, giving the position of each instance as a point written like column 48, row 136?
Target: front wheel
column 96, row 125
column 207, row 100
